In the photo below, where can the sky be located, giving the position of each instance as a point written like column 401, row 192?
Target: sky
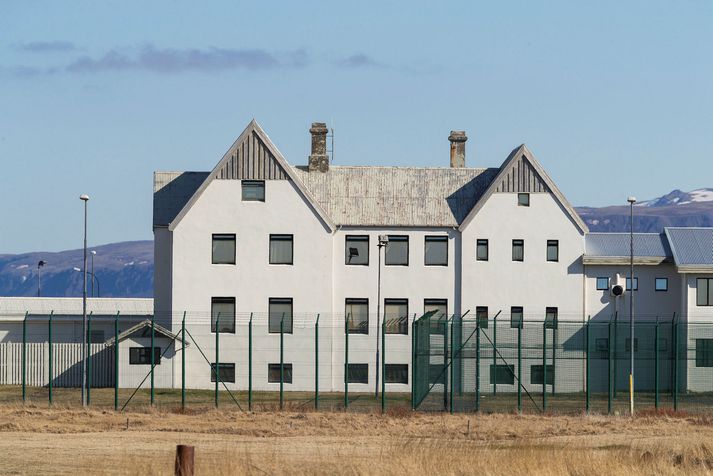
column 614, row 98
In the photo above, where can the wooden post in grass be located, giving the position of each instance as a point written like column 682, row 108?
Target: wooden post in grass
column 184, row 465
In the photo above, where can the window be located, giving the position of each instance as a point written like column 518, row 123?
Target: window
column 436, row 251
column 358, row 373
column 518, row 250
column 602, row 284
column 523, row 199
column 222, row 309
column 223, row 249
column 536, row 374
column 601, row 344
column 636, row 283
column 280, row 249
column 356, row 250
column 142, row 355
column 396, row 315
column 481, row 250
column 704, row 352
column 436, row 374
column 226, row 372
column 704, row 292
column 96, row 337
column 553, row 250
column 627, row 344
column 396, row 251
column 280, row 312
column 516, row 317
column 253, row 190
column 357, row 315
column 502, row 374
column 273, row 373
column 438, row 320
column 481, row 317
column 661, row 284
column 551, row 318
column 396, row 373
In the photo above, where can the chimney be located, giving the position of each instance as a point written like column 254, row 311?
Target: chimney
column 319, row 160
column 457, row 139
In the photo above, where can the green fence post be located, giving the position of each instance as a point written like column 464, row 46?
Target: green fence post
column 51, row 370
column 544, row 366
column 89, row 359
column 24, row 358
column 656, row 364
column 282, row 373
column 183, row 361
column 519, row 367
column 675, row 364
column 414, row 358
column 445, row 364
column 316, row 363
column 610, row 391
column 346, row 363
column 612, row 345
column 495, row 347
column 383, row 366
column 250, row 363
column 477, row 365
column 216, row 365
column 453, row 364
column 587, row 367
column 554, row 354
column 116, row 362
column 153, row 356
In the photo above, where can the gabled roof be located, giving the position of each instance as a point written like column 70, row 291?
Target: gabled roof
column 171, row 192
column 692, row 248
column 145, row 325
column 226, row 163
column 522, row 170
column 615, row 248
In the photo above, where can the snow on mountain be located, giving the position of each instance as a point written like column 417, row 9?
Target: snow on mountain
column 677, row 197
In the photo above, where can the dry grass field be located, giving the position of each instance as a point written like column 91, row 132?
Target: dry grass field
column 63, row 440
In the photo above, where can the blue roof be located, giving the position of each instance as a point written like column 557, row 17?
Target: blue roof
column 649, row 245
column 691, row 246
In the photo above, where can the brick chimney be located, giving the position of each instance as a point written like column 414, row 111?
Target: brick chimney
column 318, row 159
column 457, row 139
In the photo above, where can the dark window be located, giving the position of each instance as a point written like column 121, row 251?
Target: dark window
column 253, row 190
column 602, row 284
column 226, row 372
column 280, row 249
column 280, row 312
column 439, row 319
column 358, row 373
column 96, row 337
column 536, row 374
column 436, row 251
column 356, row 250
column 396, row 251
column 223, row 251
column 601, row 344
column 551, row 318
column 661, row 284
column 502, row 374
column 627, row 344
column 553, row 250
column 636, row 283
column 222, row 309
column 516, row 317
column 704, row 292
column 518, row 250
column 481, row 250
column 142, row 355
column 523, row 199
column 436, row 374
column 273, row 373
column 396, row 373
column 357, row 314
column 481, row 316
column 704, row 352
column 396, row 315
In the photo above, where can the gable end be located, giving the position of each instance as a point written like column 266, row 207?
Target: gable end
column 250, row 159
column 522, row 177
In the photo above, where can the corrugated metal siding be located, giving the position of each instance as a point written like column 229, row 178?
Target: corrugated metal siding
column 692, row 246
column 522, row 178
column 251, row 159
column 652, row 245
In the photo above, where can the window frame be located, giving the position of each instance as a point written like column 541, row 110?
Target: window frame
column 277, row 237
column 704, row 357
column 556, row 245
column 496, row 372
column 359, row 238
column 276, row 301
column 156, row 351
column 521, row 244
column 221, row 366
column 400, row 367
column 352, row 301
column 656, row 285
column 525, row 203
column 479, row 318
column 398, row 239
column 627, row 344
column 550, row 380
column 222, row 300
column 482, row 242
column 709, row 295
column 285, row 372
column 434, row 239
column 551, row 317
column 636, row 283
column 607, row 285
column 517, row 310
column 250, row 184
column 222, row 237
column 360, row 366
column 402, row 322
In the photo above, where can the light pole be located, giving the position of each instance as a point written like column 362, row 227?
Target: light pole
column 93, row 275
column 632, row 201
column 94, row 278
column 85, row 199
column 40, row 264
column 383, row 241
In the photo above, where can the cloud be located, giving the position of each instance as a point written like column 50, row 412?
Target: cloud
column 46, row 46
column 358, row 60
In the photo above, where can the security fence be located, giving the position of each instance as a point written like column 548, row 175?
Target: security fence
column 357, row 362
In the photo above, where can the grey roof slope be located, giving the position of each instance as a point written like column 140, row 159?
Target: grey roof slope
column 397, row 196
column 171, row 191
column 615, row 245
column 692, row 247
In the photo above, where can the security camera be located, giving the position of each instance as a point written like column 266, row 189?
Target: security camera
column 617, row 290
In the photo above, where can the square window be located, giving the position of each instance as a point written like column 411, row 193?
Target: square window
column 602, row 284
column 704, row 292
column 142, row 355
column 280, row 312
column 396, row 373
column 396, row 251
column 481, row 250
column 356, row 250
column 536, row 374
column 358, row 373
column 357, row 315
column 436, row 251
column 551, row 318
column 704, row 352
column 601, row 344
column 518, row 250
column 396, row 315
column 502, row 374
column 273, row 373
column 627, row 344
column 253, row 190
column 523, row 199
column 280, row 249
column 481, row 316
column 516, row 317
column 223, row 250
column 222, row 311
column 661, row 284
column 636, row 283
column 553, row 250
column 226, row 372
